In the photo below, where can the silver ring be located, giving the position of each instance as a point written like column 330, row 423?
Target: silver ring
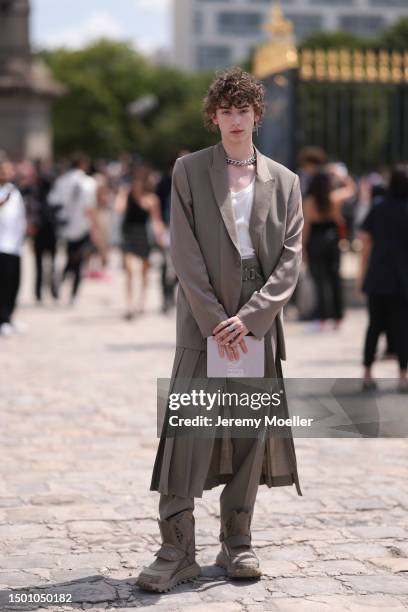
column 231, row 327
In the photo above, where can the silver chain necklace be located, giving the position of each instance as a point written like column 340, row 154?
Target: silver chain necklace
column 241, row 162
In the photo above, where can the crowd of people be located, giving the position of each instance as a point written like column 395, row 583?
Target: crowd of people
column 373, row 214
column 85, row 209
column 88, row 208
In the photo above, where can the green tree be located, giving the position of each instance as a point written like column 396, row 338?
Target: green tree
column 333, row 40
column 395, row 38
column 102, row 80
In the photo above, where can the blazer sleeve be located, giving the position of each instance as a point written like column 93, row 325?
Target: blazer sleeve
column 187, row 257
column 261, row 309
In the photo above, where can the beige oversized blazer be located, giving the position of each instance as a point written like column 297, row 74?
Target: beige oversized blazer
column 205, row 249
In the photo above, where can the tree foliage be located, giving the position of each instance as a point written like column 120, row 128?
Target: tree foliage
column 394, row 38
column 102, row 79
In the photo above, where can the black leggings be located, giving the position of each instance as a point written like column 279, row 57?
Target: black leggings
column 325, row 272
column 9, row 284
column 43, row 247
column 77, row 251
column 387, row 313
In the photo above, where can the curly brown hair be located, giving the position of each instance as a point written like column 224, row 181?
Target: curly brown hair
column 233, row 87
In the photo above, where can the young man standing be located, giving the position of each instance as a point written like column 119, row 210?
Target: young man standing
column 236, row 224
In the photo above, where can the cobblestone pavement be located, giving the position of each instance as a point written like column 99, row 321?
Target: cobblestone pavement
column 77, row 445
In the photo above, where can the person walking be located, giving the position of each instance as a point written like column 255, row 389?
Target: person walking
column 75, row 192
column 384, row 275
column 322, row 219
column 140, row 206
column 235, row 238
column 12, row 233
column 43, row 223
column 168, row 277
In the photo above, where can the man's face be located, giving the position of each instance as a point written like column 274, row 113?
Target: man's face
column 236, row 123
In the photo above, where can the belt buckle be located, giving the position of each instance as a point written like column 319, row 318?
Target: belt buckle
column 249, row 274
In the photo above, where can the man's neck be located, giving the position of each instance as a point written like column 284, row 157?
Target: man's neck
column 239, row 151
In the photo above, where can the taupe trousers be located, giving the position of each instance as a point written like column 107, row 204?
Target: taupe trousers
column 206, row 257
column 247, row 453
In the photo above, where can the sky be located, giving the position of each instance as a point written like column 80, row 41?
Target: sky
column 73, row 23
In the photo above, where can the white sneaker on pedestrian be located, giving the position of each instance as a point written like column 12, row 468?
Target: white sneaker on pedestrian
column 6, row 330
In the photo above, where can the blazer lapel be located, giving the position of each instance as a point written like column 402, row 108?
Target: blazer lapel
column 264, row 188
column 219, row 180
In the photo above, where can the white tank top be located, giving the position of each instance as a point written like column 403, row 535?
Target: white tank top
column 242, row 202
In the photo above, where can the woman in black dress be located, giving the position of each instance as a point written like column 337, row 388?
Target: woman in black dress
column 384, row 274
column 322, row 214
column 140, row 206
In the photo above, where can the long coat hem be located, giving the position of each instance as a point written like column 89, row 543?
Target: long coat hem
column 274, row 481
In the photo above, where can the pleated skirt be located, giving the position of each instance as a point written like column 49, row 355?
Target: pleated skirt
column 185, row 465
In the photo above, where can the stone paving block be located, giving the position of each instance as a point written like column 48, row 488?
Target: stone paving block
column 178, row 598
column 77, row 490
column 28, row 561
column 301, row 587
column 218, row 607
column 286, row 604
column 16, row 578
column 57, row 543
column 367, row 603
column 17, row 532
column 53, row 500
column 89, row 527
column 225, row 590
column 288, row 552
column 364, row 504
column 69, row 575
column 9, row 502
column 92, row 592
column 336, row 568
column 98, row 560
column 332, row 603
column 313, row 535
column 379, row 532
column 357, row 550
column 392, row 585
column 398, row 564
column 274, row 568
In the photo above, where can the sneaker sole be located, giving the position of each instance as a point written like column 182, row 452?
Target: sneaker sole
column 222, row 561
column 184, row 575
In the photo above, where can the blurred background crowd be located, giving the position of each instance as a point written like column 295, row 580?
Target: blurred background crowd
column 89, row 209
column 338, row 117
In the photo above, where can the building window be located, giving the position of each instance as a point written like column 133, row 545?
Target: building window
column 198, row 22
column 210, row 57
column 269, row 2
column 389, row 3
column 332, row 2
column 305, row 24
column 362, row 25
column 239, row 24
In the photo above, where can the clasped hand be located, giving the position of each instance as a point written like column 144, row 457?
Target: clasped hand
column 229, row 335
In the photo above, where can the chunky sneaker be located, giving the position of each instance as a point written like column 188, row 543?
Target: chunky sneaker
column 175, row 561
column 237, row 556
